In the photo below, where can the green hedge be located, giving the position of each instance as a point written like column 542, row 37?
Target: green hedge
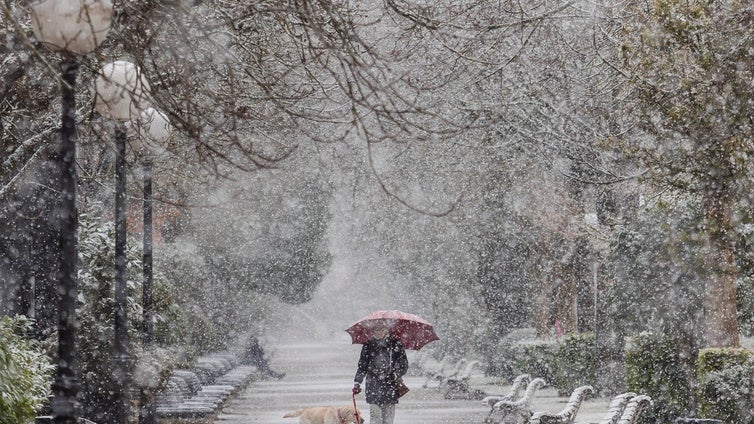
column 726, row 384
column 565, row 364
column 500, row 355
column 536, row 358
column 25, row 372
column 654, row 368
column 718, row 359
column 575, row 362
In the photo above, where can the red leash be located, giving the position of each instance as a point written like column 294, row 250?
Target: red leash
column 355, row 409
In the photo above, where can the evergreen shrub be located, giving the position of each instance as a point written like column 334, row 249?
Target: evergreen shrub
column 500, row 356
column 575, row 362
column 719, row 359
column 95, row 306
column 565, row 364
column 726, row 385
column 536, row 358
column 654, row 368
column 25, row 372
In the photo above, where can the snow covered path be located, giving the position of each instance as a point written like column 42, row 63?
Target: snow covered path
column 321, row 372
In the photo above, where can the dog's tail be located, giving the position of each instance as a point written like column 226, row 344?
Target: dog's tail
column 293, row 414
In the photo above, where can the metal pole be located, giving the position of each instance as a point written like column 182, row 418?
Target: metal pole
column 121, row 372
column 147, row 413
column 66, row 385
column 148, row 327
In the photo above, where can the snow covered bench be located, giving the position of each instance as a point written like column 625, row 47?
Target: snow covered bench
column 48, row 419
column 446, row 372
column 515, row 392
column 458, row 386
column 617, row 405
column 196, row 395
column 568, row 414
column 515, row 411
column 177, row 402
column 432, row 369
column 633, row 409
column 518, row 385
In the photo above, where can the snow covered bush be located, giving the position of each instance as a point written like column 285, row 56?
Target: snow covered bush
column 25, row 373
column 726, row 385
column 536, row 358
column 718, row 359
column 654, row 368
column 575, row 362
column 500, row 356
column 728, row 395
column 95, row 306
column 565, row 364
column 95, row 315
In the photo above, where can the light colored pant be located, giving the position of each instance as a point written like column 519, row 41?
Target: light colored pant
column 381, row 414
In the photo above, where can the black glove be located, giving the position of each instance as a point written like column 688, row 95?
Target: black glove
column 356, row 388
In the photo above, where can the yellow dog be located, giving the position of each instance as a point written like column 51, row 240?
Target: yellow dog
column 327, row 415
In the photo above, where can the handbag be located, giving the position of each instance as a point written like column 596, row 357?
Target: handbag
column 402, row 388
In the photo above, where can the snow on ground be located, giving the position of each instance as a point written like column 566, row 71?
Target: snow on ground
column 320, row 373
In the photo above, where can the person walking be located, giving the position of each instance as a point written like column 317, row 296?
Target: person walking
column 383, row 363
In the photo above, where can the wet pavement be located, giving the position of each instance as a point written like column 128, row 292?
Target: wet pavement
column 320, row 373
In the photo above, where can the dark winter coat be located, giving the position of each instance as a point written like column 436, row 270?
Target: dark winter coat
column 383, row 363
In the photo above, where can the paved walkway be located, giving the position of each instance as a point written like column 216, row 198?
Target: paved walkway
column 320, row 373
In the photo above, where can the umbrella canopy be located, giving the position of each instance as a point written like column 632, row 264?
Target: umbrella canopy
column 411, row 330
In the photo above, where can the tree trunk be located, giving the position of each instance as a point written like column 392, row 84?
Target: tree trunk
column 566, row 292
column 542, row 275
column 609, row 359
column 541, row 305
column 721, row 322
column 565, row 303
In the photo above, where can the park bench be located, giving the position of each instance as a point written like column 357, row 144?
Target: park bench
column 431, row 369
column 615, row 410
column 197, row 394
column 445, row 372
column 634, row 408
column 177, row 401
column 443, row 377
column 518, row 385
column 48, row 419
column 516, row 411
column 515, row 392
column 210, row 367
column 568, row 414
column 239, row 377
column 458, row 386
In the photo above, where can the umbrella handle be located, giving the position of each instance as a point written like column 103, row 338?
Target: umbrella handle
column 355, row 410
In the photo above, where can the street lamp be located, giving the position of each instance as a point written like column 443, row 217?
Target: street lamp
column 154, row 131
column 70, row 27
column 120, row 90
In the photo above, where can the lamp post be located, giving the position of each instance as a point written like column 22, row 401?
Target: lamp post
column 155, row 130
column 70, row 27
column 120, row 89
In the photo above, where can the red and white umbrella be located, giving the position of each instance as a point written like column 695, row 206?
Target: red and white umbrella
column 411, row 330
